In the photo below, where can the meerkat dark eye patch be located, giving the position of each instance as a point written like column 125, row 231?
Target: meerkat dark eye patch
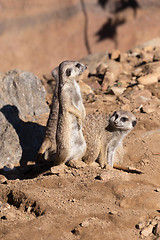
column 134, row 123
column 124, row 119
column 68, row 72
column 78, row 65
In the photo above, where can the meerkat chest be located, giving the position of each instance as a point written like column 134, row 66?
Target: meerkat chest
column 76, row 95
column 71, row 93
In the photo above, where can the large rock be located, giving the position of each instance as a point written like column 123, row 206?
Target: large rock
column 25, row 91
column 10, row 149
column 22, row 103
column 149, row 79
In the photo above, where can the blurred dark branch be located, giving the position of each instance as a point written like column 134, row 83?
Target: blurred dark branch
column 85, row 27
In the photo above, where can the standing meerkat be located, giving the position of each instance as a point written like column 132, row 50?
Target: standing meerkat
column 49, row 142
column 103, row 136
column 69, row 137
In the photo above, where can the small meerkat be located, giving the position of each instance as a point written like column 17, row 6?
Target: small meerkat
column 69, row 137
column 103, row 136
column 49, row 142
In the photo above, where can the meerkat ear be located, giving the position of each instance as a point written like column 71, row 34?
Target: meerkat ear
column 114, row 114
column 68, row 72
column 55, row 72
column 134, row 123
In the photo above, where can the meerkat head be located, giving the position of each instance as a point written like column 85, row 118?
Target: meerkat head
column 71, row 69
column 122, row 120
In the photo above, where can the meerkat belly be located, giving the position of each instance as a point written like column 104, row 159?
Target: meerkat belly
column 77, row 142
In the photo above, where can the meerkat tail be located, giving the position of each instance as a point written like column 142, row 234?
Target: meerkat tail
column 127, row 169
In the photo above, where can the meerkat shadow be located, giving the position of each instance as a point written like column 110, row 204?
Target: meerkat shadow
column 30, row 134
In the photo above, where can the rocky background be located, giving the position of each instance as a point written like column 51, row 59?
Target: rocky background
column 83, row 202
column 36, row 35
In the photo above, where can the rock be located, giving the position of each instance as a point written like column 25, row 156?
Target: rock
column 25, row 91
column 117, row 90
column 150, row 106
column 154, row 222
column 84, row 224
column 102, row 68
column 22, row 102
column 115, row 54
column 76, row 231
column 148, row 48
column 147, row 231
column 10, row 148
column 150, row 44
column 123, row 57
column 58, row 169
column 87, row 93
column 108, row 80
column 157, row 230
column 149, row 79
column 76, row 164
column 109, row 98
column 114, row 67
column 112, row 213
column 140, row 225
column 85, row 88
column 93, row 82
column 151, row 68
column 145, row 95
column 141, row 87
column 105, row 176
column 157, row 190
column 156, row 56
column 137, row 72
column 146, row 56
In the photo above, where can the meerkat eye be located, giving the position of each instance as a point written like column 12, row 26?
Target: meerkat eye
column 134, row 123
column 124, row 119
column 78, row 65
column 68, row 72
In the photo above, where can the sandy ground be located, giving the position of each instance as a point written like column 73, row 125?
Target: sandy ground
column 87, row 202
